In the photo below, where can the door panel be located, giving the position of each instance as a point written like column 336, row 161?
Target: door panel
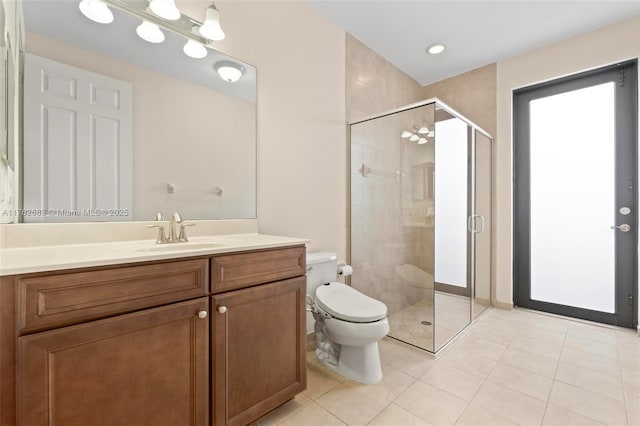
column 78, row 154
column 575, row 167
column 258, row 351
column 146, row 368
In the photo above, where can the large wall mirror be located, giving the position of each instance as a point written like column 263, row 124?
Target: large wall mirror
column 119, row 128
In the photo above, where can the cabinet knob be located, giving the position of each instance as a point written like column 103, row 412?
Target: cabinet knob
column 222, row 309
column 202, row 314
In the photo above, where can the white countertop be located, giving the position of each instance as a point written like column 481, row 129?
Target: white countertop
column 51, row 258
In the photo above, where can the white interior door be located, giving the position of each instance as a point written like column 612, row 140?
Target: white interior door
column 77, row 144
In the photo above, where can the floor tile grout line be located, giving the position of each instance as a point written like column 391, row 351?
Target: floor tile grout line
column 379, row 412
column 555, row 373
column 624, row 391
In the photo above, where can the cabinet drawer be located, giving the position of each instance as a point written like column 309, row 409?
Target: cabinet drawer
column 235, row 271
column 62, row 299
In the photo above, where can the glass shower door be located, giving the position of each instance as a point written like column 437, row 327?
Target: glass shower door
column 481, row 224
column 415, row 220
column 392, row 218
column 453, row 273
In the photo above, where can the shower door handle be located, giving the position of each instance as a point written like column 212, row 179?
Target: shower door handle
column 481, row 223
column 471, row 223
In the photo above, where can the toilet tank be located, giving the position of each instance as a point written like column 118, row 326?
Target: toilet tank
column 322, row 267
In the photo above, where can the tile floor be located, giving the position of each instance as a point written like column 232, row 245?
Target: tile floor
column 510, row 367
column 452, row 314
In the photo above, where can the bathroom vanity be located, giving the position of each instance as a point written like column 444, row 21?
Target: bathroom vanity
column 161, row 336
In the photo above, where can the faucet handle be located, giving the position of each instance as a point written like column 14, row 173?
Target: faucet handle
column 182, row 236
column 159, row 217
column 177, row 218
column 162, row 236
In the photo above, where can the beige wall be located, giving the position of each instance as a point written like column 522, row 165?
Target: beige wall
column 374, row 85
column 300, row 58
column 472, row 94
column 605, row 46
column 184, row 134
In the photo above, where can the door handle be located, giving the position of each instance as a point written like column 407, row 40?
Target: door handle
column 624, row 227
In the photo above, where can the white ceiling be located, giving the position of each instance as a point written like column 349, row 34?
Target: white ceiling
column 476, row 33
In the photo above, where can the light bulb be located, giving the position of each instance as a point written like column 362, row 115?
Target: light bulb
column 195, row 50
column 405, row 134
column 229, row 71
column 165, row 9
column 414, row 138
column 96, row 10
column 150, row 32
column 211, row 28
column 422, row 141
column 423, row 130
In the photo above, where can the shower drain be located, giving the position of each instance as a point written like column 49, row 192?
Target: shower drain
column 425, row 323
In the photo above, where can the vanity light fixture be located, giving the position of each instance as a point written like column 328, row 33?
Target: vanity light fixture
column 150, row 32
column 96, row 10
column 194, row 49
column 414, row 138
column 229, row 71
column 423, row 130
column 211, row 28
column 422, row 141
column 406, row 134
column 435, row 49
column 165, row 9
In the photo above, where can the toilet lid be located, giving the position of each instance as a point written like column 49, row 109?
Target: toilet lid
column 346, row 303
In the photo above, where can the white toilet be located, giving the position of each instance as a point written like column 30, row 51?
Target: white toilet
column 348, row 324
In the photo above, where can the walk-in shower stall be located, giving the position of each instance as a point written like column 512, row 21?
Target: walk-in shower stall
column 421, row 219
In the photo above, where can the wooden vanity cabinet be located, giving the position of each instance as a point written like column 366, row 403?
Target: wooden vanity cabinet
column 154, row 343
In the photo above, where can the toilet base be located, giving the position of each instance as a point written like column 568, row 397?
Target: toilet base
column 360, row 364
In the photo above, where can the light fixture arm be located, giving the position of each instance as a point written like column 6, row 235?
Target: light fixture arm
column 182, row 26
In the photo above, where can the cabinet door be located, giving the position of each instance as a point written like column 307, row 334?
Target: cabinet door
column 144, row 368
column 258, row 350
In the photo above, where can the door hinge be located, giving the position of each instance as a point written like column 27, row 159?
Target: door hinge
column 630, row 299
column 622, row 73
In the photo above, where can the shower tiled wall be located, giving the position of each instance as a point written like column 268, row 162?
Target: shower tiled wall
column 380, row 240
column 375, row 85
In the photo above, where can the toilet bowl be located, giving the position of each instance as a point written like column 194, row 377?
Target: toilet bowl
column 356, row 323
column 348, row 324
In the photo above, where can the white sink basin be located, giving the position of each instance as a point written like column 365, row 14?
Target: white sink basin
column 180, row 247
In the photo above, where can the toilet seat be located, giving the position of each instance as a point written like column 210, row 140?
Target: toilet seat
column 348, row 304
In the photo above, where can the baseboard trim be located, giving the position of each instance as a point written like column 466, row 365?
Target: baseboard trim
column 502, row 305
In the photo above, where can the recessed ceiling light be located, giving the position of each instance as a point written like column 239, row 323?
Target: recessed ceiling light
column 434, row 49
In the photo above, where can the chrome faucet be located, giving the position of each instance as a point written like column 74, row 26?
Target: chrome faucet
column 176, row 221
